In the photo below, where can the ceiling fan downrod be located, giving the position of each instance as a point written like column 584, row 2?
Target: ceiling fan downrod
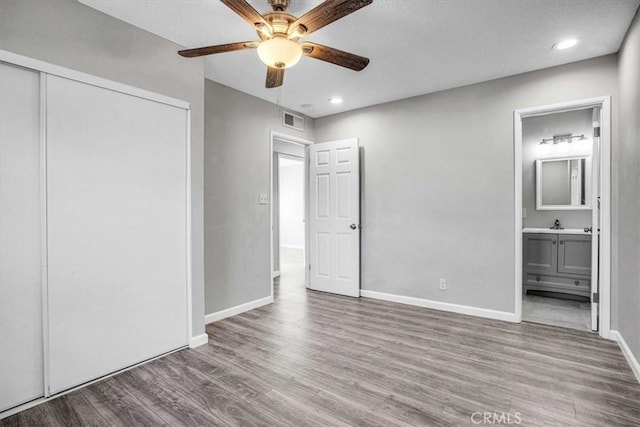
column 279, row 5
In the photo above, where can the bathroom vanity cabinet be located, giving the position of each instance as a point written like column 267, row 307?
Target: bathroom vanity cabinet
column 557, row 263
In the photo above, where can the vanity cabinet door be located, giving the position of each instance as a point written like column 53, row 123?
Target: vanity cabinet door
column 541, row 253
column 574, row 255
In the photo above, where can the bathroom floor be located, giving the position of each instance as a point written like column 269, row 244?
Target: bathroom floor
column 557, row 311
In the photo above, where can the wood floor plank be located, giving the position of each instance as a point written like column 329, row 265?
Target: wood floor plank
column 315, row 359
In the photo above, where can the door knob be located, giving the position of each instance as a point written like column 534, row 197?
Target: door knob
column 353, row 226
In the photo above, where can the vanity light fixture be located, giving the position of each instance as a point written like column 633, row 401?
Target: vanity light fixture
column 565, row 44
column 559, row 139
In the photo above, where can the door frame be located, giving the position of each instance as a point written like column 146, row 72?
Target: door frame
column 306, row 143
column 276, row 219
column 604, row 102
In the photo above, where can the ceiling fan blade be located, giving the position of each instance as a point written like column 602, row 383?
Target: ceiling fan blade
column 249, row 14
column 220, row 48
column 325, row 14
column 275, row 77
column 335, row 56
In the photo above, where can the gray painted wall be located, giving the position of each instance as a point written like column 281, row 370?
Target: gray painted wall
column 237, row 158
column 628, row 260
column 533, row 130
column 70, row 34
column 438, row 185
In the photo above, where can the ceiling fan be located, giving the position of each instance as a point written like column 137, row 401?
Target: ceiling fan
column 279, row 32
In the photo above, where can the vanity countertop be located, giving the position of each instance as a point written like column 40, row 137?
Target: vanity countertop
column 554, row 231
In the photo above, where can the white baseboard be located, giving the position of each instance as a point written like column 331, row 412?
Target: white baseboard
column 276, row 274
column 292, row 246
column 631, row 358
column 198, row 340
column 223, row 314
column 444, row 306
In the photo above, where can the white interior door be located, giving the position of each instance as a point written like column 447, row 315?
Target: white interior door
column 595, row 221
column 117, row 203
column 21, row 349
column 334, row 220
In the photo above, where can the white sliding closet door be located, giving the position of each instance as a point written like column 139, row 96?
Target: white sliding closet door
column 21, row 360
column 117, row 182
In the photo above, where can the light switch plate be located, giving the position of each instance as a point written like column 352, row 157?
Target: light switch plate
column 264, row 199
column 524, row 212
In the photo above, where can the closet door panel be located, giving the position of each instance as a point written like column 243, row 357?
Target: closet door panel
column 117, row 230
column 21, row 348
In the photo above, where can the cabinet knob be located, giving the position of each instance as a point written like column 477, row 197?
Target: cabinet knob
column 577, row 282
column 537, row 278
column 562, row 242
column 553, row 241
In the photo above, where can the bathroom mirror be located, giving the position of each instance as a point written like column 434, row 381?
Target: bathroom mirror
column 563, row 183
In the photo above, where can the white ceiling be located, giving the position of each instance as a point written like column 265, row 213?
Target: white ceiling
column 415, row 46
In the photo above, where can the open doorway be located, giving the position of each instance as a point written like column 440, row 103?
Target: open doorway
column 562, row 215
column 289, row 224
column 289, row 209
column 332, row 217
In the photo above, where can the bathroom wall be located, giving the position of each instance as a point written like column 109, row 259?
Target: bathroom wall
column 534, row 129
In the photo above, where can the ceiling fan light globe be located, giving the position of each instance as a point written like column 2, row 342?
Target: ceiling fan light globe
column 279, row 52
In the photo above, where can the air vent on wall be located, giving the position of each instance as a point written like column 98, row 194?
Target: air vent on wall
column 292, row 121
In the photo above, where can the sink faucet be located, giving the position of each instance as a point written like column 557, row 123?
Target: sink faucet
column 556, row 225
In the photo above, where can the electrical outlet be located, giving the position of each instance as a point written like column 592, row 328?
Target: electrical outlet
column 524, row 212
column 443, row 284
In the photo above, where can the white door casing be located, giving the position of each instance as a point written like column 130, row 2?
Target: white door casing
column 334, row 193
column 601, row 237
column 595, row 220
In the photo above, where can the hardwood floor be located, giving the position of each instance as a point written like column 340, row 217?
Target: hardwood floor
column 324, row 360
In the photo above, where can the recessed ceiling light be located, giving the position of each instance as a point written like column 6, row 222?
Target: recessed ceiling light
column 565, row 44
column 306, row 106
column 335, row 100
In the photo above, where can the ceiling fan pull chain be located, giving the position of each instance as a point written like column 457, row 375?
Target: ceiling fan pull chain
column 279, row 89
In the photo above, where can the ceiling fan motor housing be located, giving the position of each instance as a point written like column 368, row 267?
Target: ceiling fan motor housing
column 280, row 22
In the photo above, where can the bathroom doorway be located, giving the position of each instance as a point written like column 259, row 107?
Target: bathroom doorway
column 562, row 215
